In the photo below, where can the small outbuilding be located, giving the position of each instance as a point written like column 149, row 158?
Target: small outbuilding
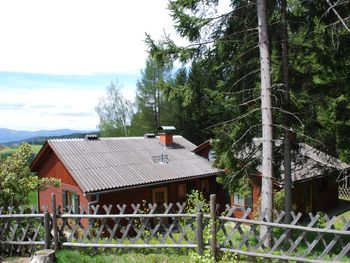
column 314, row 179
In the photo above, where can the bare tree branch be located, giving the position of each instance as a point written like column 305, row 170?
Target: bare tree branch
column 300, row 133
column 331, row 6
column 233, row 120
column 292, row 114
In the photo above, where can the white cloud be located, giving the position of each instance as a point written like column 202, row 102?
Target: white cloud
column 80, row 36
column 49, row 108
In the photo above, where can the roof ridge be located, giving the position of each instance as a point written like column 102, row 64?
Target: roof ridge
column 103, row 138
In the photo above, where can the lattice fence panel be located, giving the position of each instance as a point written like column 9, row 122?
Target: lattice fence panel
column 309, row 239
column 21, row 231
column 128, row 227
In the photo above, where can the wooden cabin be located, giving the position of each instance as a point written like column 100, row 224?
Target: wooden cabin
column 152, row 169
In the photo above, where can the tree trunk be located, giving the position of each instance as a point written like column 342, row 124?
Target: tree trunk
column 285, row 105
column 266, row 112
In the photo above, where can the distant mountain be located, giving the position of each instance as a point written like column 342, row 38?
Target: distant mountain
column 9, row 136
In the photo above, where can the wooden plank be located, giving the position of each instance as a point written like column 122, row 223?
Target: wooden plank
column 125, row 216
column 295, row 227
column 24, row 243
column 199, row 233
column 54, row 223
column 344, row 251
column 47, row 229
column 18, row 216
column 213, row 226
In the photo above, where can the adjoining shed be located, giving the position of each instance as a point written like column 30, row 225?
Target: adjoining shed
column 156, row 169
column 314, row 179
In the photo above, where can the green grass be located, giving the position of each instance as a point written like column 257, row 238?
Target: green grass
column 339, row 221
column 36, row 148
column 154, row 256
column 75, row 256
column 11, row 149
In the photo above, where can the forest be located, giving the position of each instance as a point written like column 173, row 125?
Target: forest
column 212, row 88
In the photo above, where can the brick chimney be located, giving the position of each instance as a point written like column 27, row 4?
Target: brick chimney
column 166, row 135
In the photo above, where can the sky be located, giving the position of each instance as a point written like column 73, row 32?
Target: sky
column 58, row 56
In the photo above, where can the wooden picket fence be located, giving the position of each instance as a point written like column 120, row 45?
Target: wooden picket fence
column 113, row 228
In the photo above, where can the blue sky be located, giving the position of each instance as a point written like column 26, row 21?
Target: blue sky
column 58, row 56
column 33, row 101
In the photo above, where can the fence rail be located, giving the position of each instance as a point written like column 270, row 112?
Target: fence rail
column 319, row 239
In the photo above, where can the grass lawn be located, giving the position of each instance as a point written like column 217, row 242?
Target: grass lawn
column 12, row 149
column 36, row 148
column 167, row 257
column 346, row 215
column 75, row 256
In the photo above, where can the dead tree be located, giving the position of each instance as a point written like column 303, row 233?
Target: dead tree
column 267, row 121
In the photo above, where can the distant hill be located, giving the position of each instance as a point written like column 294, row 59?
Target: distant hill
column 8, row 136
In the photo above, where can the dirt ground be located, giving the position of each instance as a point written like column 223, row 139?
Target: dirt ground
column 16, row 260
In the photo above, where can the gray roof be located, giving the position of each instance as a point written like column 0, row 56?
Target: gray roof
column 307, row 162
column 109, row 163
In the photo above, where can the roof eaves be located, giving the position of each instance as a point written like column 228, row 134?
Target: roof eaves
column 107, row 190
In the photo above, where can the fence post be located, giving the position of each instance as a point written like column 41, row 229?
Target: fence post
column 199, row 232
column 213, row 242
column 54, row 222
column 47, row 228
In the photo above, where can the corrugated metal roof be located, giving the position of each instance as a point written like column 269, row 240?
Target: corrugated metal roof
column 308, row 162
column 110, row 163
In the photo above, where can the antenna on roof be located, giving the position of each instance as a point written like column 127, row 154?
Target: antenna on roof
column 91, row 137
column 149, row 135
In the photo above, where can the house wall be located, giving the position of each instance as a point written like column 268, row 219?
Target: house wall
column 204, row 152
column 323, row 194
column 143, row 195
column 256, row 190
column 53, row 167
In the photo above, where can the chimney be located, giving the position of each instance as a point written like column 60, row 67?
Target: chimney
column 166, row 135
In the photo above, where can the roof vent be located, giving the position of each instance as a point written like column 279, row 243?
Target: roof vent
column 91, row 137
column 149, row 135
column 162, row 159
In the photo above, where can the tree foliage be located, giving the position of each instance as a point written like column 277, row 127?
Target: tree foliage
column 215, row 93
column 16, row 179
column 152, row 108
column 221, row 77
column 115, row 112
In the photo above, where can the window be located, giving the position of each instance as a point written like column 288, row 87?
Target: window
column 243, row 201
column 212, row 155
column 159, row 197
column 238, row 200
column 70, row 199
